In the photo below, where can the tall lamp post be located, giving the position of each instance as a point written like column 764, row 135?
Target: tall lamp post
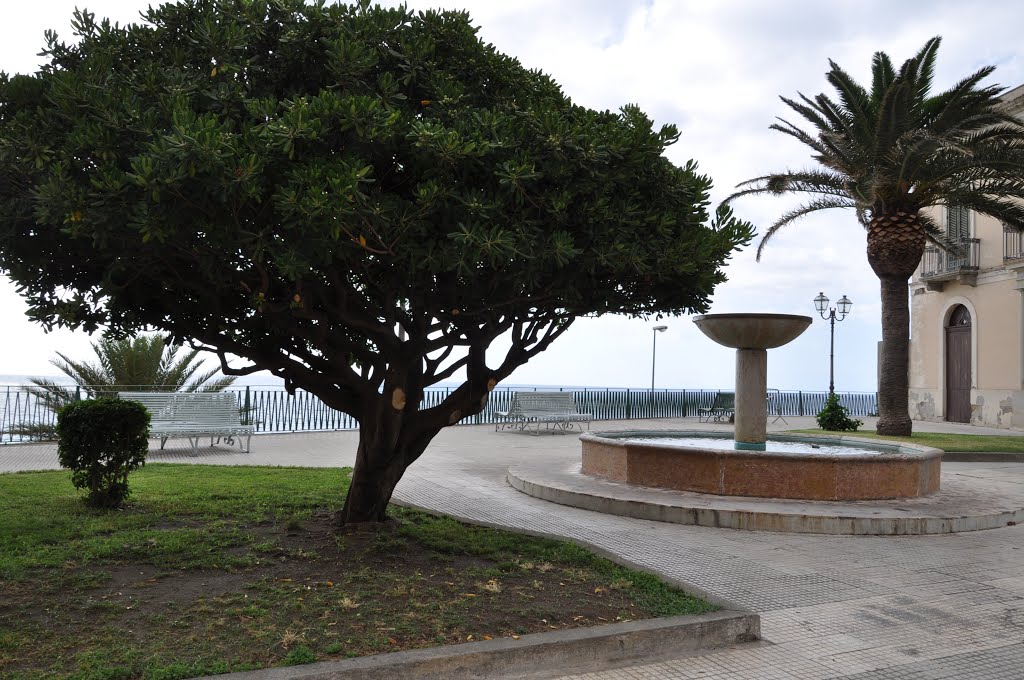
column 821, row 304
column 654, row 350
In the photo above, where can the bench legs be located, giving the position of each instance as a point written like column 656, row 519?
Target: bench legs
column 230, row 440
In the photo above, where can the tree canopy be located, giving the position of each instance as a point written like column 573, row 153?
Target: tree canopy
column 358, row 199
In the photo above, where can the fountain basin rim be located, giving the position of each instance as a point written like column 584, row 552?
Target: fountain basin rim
column 753, row 315
column 886, row 449
column 878, row 470
column 752, row 330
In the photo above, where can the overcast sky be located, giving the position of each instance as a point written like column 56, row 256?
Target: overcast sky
column 716, row 70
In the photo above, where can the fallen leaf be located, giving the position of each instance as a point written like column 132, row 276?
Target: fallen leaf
column 488, row 637
column 515, row 637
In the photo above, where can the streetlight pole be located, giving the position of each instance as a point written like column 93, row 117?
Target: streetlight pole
column 654, row 350
column 844, row 305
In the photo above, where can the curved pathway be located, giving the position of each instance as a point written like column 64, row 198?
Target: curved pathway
column 839, row 607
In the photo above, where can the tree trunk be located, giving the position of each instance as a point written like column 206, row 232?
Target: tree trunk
column 393, row 434
column 389, row 442
column 896, row 240
column 893, row 409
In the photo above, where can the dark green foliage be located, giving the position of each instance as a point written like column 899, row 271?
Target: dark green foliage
column 359, row 199
column 101, row 442
column 835, row 417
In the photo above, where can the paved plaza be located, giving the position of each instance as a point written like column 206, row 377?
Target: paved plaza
column 832, row 607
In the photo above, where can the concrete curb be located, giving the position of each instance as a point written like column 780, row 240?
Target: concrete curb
column 538, row 655
column 755, row 520
column 987, row 457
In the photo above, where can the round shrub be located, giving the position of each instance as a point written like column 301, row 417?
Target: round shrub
column 101, row 441
column 834, row 417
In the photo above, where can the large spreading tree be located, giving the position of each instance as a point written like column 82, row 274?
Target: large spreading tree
column 890, row 152
column 359, row 200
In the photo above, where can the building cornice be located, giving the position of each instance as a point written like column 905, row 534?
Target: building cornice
column 1013, row 101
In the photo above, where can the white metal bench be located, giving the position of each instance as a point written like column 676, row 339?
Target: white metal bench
column 552, row 409
column 193, row 415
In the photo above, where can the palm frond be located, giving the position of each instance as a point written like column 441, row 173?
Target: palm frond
column 856, row 102
column 882, row 75
column 801, row 211
column 925, row 71
column 807, row 181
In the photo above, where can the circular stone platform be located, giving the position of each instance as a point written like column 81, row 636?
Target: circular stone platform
column 971, row 498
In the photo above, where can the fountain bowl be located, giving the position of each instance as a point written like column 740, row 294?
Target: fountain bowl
column 752, row 331
column 882, row 470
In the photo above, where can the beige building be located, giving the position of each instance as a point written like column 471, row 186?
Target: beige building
column 967, row 321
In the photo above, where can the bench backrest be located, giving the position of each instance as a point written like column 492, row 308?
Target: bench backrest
column 545, row 403
column 725, row 400
column 206, row 408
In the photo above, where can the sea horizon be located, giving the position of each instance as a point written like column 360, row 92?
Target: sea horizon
column 272, row 383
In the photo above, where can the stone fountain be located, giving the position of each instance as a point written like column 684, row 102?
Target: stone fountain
column 788, row 466
column 752, row 335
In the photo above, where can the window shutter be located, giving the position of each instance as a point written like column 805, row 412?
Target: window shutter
column 958, row 223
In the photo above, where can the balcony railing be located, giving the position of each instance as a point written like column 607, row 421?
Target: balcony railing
column 1013, row 245
column 939, row 264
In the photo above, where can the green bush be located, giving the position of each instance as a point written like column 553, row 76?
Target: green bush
column 101, row 441
column 834, row 417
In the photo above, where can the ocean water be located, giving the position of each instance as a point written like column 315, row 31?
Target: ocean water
column 269, row 382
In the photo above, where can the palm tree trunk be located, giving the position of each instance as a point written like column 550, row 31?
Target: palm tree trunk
column 893, row 384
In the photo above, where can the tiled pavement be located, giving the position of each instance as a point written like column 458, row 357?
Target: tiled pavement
column 832, row 607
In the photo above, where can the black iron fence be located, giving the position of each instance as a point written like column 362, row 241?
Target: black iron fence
column 28, row 416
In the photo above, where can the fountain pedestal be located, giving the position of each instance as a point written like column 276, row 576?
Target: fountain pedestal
column 751, row 415
column 752, row 335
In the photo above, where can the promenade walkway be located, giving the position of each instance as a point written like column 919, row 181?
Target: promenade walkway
column 832, row 607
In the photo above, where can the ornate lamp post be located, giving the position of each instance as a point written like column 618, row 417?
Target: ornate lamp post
column 844, row 305
column 654, row 350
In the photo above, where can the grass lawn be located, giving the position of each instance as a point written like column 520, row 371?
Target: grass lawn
column 972, row 443
column 214, row 569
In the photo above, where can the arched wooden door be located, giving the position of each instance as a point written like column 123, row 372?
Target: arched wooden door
column 958, row 366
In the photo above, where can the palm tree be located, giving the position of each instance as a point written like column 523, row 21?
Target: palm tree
column 889, row 153
column 144, row 363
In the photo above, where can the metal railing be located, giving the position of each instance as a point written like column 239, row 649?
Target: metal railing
column 27, row 417
column 938, row 262
column 1013, row 244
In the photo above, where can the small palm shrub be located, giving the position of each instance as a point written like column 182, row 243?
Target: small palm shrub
column 101, row 441
column 834, row 417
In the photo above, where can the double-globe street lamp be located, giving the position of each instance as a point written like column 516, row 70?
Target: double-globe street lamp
column 654, row 350
column 821, row 304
